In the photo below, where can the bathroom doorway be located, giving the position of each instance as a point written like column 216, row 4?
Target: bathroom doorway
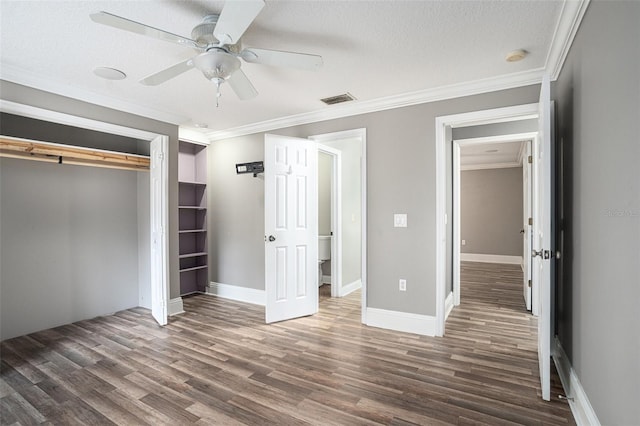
column 344, row 226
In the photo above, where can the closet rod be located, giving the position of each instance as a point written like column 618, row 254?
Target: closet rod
column 52, row 152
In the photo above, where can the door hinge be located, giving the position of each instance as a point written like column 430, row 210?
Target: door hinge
column 529, row 284
column 530, row 221
column 530, row 159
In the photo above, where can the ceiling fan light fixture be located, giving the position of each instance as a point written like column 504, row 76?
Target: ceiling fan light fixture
column 217, row 64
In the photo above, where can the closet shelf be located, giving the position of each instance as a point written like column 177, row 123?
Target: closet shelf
column 195, row 268
column 191, row 231
column 184, row 182
column 192, row 208
column 184, row 256
column 67, row 154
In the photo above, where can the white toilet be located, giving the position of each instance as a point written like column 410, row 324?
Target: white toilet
column 324, row 253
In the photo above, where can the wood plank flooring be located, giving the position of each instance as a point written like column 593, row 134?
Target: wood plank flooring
column 220, row 364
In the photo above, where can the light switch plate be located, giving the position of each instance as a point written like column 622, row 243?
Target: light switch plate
column 400, row 220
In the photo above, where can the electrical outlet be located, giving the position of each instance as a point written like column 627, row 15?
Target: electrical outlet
column 464, row 242
column 402, row 285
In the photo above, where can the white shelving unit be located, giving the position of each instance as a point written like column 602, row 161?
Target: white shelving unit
column 192, row 206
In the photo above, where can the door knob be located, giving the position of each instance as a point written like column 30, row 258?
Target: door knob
column 272, row 238
column 536, row 253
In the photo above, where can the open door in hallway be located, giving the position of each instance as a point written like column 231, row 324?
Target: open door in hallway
column 543, row 251
column 291, row 228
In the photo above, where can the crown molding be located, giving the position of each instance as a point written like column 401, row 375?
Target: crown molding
column 570, row 18
column 27, row 78
column 507, row 81
column 194, row 136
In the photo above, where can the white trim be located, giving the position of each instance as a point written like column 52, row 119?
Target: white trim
column 496, row 115
column 448, row 305
column 568, row 24
column 193, row 136
column 486, row 166
column 401, row 321
column 493, row 84
column 29, row 111
column 27, row 78
column 240, row 294
column 581, row 408
column 491, row 258
column 326, row 279
column 175, row 306
column 350, row 288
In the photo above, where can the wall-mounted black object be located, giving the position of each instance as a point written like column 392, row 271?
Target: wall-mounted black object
column 255, row 168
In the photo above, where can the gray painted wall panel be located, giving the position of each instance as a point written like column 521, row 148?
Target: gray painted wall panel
column 491, row 211
column 401, row 179
column 64, row 228
column 598, row 111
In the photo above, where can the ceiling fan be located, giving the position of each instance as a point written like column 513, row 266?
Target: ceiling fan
column 217, row 37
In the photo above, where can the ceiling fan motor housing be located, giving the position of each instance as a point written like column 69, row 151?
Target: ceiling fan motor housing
column 202, row 34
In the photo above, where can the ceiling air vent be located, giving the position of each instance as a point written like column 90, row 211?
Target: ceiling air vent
column 346, row 97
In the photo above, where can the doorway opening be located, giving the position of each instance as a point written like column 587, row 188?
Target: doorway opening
column 158, row 292
column 490, row 207
column 347, row 154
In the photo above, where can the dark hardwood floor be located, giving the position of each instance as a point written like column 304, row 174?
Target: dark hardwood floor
column 220, row 364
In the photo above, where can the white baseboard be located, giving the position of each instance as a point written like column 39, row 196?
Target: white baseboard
column 448, row 305
column 402, row 321
column 175, row 306
column 326, row 279
column 241, row 294
column 580, row 406
column 349, row 288
column 490, row 258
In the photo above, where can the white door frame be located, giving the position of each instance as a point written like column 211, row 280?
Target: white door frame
column 497, row 115
column 362, row 134
column 336, row 217
column 161, row 287
column 457, row 144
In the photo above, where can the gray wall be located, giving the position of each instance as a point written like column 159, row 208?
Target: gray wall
column 598, row 110
column 69, row 244
column 491, row 211
column 496, row 129
column 41, row 99
column 401, row 179
column 144, row 240
column 235, row 214
column 325, row 169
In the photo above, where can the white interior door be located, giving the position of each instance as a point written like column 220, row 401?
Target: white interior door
column 159, row 224
column 526, row 236
column 542, row 239
column 291, row 227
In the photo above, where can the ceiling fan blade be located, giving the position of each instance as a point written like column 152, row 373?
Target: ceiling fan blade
column 242, row 86
column 168, row 73
column 279, row 58
column 235, row 18
column 106, row 18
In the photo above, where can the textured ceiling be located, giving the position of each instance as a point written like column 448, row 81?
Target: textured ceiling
column 372, row 49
